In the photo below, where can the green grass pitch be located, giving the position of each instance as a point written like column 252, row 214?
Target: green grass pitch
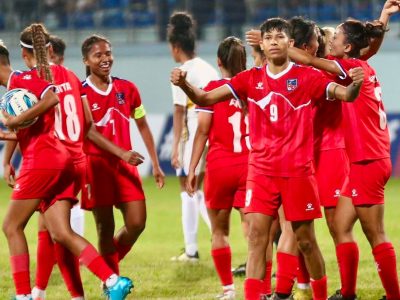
column 156, row 277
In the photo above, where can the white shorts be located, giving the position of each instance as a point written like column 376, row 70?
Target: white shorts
column 185, row 151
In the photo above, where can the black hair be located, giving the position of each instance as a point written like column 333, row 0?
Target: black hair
column 358, row 34
column 4, row 54
column 181, row 32
column 322, row 40
column 88, row 44
column 232, row 54
column 58, row 45
column 278, row 24
column 301, row 31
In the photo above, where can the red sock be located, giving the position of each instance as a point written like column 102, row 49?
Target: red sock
column 320, row 288
column 69, row 268
column 112, row 261
column 266, row 285
column 303, row 277
column 222, row 261
column 252, row 289
column 122, row 249
column 286, row 272
column 45, row 259
column 95, row 263
column 347, row 257
column 20, row 272
column 385, row 258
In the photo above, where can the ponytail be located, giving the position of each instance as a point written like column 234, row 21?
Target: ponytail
column 232, row 54
column 36, row 39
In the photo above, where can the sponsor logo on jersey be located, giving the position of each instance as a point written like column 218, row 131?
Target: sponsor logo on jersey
column 249, row 195
column 17, row 187
column 95, row 106
column 354, row 193
column 291, row 84
column 337, row 193
column 27, row 77
column 309, row 207
column 260, row 86
column 120, row 98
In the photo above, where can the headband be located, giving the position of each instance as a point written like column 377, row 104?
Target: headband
column 30, row 46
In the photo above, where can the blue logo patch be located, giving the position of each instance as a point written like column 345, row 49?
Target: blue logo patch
column 291, row 84
column 120, row 98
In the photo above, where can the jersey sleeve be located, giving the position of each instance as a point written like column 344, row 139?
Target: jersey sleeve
column 345, row 65
column 137, row 107
column 178, row 96
column 319, row 84
column 31, row 82
column 239, row 85
column 209, row 87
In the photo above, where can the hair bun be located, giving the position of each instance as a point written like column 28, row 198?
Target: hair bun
column 181, row 21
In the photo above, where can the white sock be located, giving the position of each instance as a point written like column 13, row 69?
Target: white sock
column 23, row 297
column 78, row 219
column 111, row 281
column 201, row 202
column 303, row 286
column 190, row 222
column 38, row 293
column 78, row 298
column 230, row 287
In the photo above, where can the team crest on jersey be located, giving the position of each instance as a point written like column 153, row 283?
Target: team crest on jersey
column 291, row 84
column 120, row 98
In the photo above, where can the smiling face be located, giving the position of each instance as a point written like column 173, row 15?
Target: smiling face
column 100, row 59
column 339, row 45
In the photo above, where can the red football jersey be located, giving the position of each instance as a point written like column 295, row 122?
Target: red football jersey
column 364, row 120
column 70, row 117
column 228, row 138
column 111, row 110
column 40, row 147
column 328, row 126
column 280, row 117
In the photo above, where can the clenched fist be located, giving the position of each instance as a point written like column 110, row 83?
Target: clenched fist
column 357, row 75
column 178, row 77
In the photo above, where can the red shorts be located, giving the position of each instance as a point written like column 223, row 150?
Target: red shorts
column 72, row 190
column 366, row 182
column 298, row 196
column 43, row 184
column 110, row 182
column 225, row 188
column 332, row 168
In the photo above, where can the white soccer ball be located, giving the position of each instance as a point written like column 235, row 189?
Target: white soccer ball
column 16, row 101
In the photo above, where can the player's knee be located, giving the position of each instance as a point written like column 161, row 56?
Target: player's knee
column 257, row 238
column 60, row 236
column 306, row 245
column 136, row 226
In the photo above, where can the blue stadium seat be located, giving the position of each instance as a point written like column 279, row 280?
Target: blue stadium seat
column 83, row 20
column 113, row 18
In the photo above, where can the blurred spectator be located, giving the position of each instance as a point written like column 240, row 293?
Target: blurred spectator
column 233, row 17
column 27, row 11
column 204, row 12
column 54, row 13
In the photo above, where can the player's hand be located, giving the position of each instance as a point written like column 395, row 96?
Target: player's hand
column 357, row 75
column 132, row 157
column 9, row 175
column 391, row 7
column 191, row 183
column 175, row 159
column 9, row 121
column 159, row 176
column 178, row 77
column 253, row 37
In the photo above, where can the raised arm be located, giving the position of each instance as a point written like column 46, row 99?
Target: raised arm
column 389, row 8
column 198, row 96
column 302, row 57
column 351, row 92
column 199, row 143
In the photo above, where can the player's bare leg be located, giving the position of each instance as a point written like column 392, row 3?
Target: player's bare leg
column 372, row 223
column 259, row 227
column 344, row 219
column 308, row 246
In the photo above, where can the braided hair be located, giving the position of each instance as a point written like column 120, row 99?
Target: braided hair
column 35, row 39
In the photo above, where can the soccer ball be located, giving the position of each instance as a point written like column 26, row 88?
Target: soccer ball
column 16, row 101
